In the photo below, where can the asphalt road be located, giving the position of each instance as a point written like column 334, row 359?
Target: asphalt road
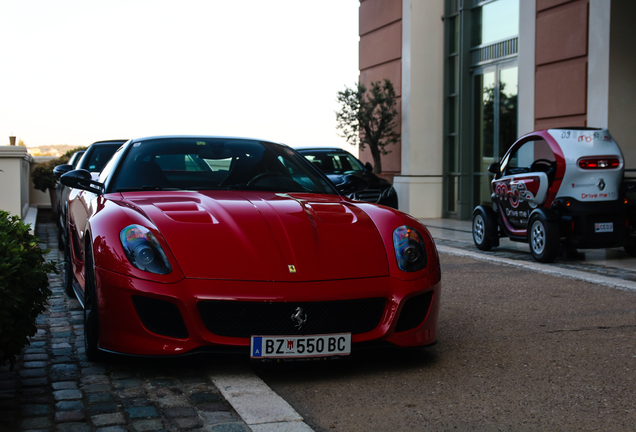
column 517, row 351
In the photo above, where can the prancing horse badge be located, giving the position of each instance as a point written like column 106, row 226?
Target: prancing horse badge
column 292, row 268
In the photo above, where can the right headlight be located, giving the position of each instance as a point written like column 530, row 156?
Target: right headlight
column 143, row 250
column 410, row 250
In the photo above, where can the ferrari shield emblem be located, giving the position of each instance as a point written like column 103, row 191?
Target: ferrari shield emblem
column 292, row 268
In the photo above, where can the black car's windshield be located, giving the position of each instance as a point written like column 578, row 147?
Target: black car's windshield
column 334, row 162
column 216, row 164
column 97, row 156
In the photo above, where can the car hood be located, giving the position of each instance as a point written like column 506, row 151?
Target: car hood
column 266, row 236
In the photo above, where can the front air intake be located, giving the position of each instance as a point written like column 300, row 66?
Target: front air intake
column 160, row 317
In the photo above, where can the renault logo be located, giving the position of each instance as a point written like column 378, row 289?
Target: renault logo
column 299, row 317
column 601, row 184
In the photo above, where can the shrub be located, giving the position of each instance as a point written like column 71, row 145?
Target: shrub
column 42, row 174
column 24, row 285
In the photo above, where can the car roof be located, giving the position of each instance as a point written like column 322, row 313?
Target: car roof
column 326, row 149
column 106, row 142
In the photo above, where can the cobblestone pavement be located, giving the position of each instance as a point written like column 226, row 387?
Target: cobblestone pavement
column 53, row 387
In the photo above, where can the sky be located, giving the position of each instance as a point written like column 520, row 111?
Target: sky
column 75, row 72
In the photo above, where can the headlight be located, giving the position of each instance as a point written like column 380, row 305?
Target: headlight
column 143, row 250
column 410, row 250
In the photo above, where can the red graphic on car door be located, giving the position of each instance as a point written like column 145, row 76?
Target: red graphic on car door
column 518, row 195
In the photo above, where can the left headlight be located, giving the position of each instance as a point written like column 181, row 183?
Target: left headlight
column 410, row 250
column 143, row 250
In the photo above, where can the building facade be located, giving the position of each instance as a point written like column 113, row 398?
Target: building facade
column 473, row 75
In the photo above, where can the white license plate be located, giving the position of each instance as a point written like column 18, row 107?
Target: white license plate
column 604, row 227
column 262, row 347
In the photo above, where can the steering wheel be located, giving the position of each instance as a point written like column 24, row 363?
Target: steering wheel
column 548, row 164
column 261, row 176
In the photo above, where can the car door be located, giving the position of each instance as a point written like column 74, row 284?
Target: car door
column 526, row 173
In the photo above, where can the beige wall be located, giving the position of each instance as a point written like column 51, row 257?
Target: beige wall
column 419, row 185
column 15, row 180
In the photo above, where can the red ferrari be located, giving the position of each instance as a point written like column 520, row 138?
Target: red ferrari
column 189, row 244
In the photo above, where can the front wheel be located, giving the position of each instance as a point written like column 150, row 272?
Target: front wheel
column 543, row 237
column 484, row 229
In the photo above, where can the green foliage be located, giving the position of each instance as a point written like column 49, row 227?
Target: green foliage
column 369, row 118
column 42, row 174
column 24, row 285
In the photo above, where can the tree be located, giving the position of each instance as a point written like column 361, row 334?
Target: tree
column 368, row 119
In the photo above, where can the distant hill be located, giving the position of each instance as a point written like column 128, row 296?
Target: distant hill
column 50, row 150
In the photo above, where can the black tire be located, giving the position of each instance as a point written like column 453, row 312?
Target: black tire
column 543, row 237
column 60, row 238
column 68, row 273
column 91, row 312
column 630, row 247
column 484, row 229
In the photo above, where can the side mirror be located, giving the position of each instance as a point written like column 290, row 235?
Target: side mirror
column 368, row 167
column 61, row 169
column 81, row 179
column 352, row 184
column 494, row 168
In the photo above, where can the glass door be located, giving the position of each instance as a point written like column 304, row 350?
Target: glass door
column 494, row 119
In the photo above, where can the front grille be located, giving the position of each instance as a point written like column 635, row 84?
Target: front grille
column 414, row 311
column 160, row 317
column 244, row 319
column 369, row 195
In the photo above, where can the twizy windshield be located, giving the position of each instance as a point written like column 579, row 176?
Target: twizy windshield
column 216, row 164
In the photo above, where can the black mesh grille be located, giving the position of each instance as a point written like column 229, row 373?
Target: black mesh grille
column 414, row 311
column 160, row 317
column 244, row 319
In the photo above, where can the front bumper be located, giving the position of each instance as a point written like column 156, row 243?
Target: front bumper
column 123, row 330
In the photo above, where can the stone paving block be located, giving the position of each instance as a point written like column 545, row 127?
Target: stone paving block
column 94, row 379
column 35, row 382
column 61, row 359
column 69, row 416
column 162, row 382
column 34, row 364
column 108, row 419
column 35, row 410
column 213, row 406
column 142, row 412
column 230, row 428
column 36, row 423
column 102, row 408
column 187, row 422
column 100, row 397
column 205, row 397
column 134, row 392
column 147, row 425
column 33, row 357
column 93, row 370
column 32, row 373
column 127, row 383
column 69, row 406
column 72, row 427
column 34, row 390
column 58, row 352
column 67, row 395
column 64, row 385
column 112, row 429
column 179, row 412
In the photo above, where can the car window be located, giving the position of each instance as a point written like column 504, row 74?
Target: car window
column 97, row 156
column 216, row 164
column 334, row 162
column 522, row 159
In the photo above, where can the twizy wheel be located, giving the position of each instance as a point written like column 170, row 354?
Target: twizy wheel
column 543, row 237
column 91, row 311
column 484, row 229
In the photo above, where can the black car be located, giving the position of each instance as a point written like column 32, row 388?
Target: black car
column 339, row 164
column 93, row 160
column 61, row 191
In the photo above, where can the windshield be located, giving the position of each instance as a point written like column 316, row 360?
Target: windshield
column 334, row 162
column 216, row 164
column 97, row 156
